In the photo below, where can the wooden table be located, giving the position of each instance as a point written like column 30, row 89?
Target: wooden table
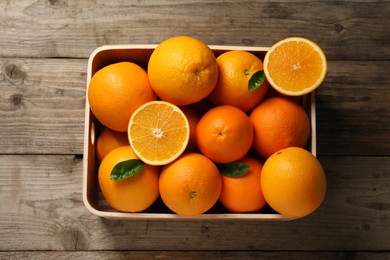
column 44, row 46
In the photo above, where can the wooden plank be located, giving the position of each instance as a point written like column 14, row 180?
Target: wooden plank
column 42, row 107
column 42, row 209
column 75, row 29
column 353, row 112
column 233, row 255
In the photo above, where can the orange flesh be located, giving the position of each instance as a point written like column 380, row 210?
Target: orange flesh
column 159, row 132
column 295, row 71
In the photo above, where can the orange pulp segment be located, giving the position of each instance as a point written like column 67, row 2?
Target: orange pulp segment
column 158, row 132
column 295, row 66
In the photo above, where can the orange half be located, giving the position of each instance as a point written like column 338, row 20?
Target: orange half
column 158, row 132
column 295, row 66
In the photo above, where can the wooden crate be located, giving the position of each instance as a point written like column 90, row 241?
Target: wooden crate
column 92, row 196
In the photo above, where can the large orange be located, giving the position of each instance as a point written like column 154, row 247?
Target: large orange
column 182, row 70
column 243, row 193
column 108, row 140
column 115, row 91
column 133, row 194
column 224, row 134
column 190, row 185
column 279, row 123
column 158, row 132
column 235, row 68
column 293, row 182
column 295, row 66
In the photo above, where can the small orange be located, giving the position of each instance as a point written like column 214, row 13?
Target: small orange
column 295, row 66
column 279, row 123
column 116, row 91
column 108, row 140
column 224, row 134
column 235, row 69
column 182, row 70
column 243, row 193
column 132, row 194
column 158, row 132
column 293, row 182
column 190, row 185
column 193, row 117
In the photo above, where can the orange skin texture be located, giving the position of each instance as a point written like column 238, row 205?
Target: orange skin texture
column 108, row 140
column 224, row 134
column 293, row 182
column 243, row 194
column 274, row 93
column 116, row 91
column 133, row 194
column 191, row 185
column 182, row 70
column 235, row 69
column 279, row 123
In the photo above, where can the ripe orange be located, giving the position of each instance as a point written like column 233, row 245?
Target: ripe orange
column 243, row 194
column 108, row 140
column 295, row 66
column 115, row 91
column 224, row 134
column 190, row 185
column 193, row 117
column 279, row 123
column 182, row 70
column 133, row 194
column 235, row 68
column 293, row 182
column 158, row 132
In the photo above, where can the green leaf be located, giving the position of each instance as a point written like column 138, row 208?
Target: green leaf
column 126, row 169
column 234, row 169
column 256, row 80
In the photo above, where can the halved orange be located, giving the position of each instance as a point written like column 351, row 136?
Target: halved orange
column 158, row 132
column 295, row 66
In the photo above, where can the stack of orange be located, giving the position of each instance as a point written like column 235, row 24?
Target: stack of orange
column 210, row 124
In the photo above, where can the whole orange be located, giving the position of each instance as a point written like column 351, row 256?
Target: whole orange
column 132, row 194
column 193, row 117
column 116, row 91
column 182, row 70
column 108, row 140
column 279, row 123
column 224, row 134
column 190, row 185
column 293, row 182
column 243, row 193
column 235, row 68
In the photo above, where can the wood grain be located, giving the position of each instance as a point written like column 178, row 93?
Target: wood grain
column 42, row 209
column 44, row 46
column 42, row 107
column 228, row 254
column 353, row 112
column 348, row 30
